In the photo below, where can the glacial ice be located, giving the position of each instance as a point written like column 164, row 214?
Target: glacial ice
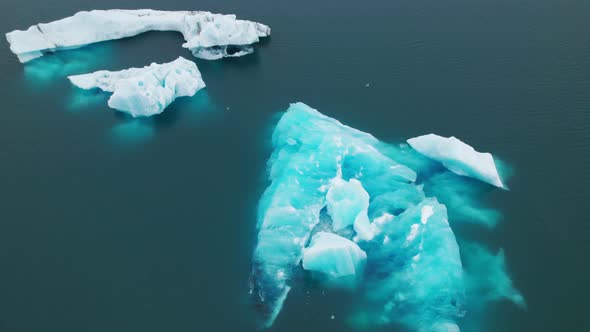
column 348, row 204
column 334, row 256
column 145, row 91
column 338, row 195
column 458, row 157
column 208, row 36
column 309, row 155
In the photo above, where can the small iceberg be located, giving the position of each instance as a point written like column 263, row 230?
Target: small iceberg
column 208, row 36
column 458, row 157
column 145, row 91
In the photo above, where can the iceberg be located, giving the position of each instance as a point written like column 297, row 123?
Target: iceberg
column 145, row 91
column 458, row 157
column 333, row 256
column 342, row 204
column 208, row 36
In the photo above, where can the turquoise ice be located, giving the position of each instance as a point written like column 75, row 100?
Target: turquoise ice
column 334, row 256
column 414, row 275
column 336, row 195
column 348, row 204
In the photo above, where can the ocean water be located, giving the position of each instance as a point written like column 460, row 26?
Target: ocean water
column 113, row 224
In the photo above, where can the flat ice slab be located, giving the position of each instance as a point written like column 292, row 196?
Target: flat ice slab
column 145, row 91
column 208, row 36
column 460, row 158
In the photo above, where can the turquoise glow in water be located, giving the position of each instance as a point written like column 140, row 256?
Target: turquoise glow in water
column 326, row 175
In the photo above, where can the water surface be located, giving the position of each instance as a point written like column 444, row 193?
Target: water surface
column 114, row 224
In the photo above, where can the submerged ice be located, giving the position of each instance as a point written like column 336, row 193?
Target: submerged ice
column 415, row 275
column 343, row 204
column 207, row 35
column 145, row 91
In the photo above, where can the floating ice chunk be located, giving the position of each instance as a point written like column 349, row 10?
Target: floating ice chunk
column 348, row 203
column 334, row 256
column 207, row 35
column 145, row 91
column 458, row 157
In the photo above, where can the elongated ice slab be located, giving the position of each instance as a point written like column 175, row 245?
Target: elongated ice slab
column 207, row 35
column 347, row 191
column 334, row 256
column 145, row 91
column 458, row 157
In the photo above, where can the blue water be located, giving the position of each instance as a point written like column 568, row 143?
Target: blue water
column 113, row 224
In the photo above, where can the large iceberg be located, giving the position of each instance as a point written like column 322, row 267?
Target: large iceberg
column 458, row 157
column 336, row 195
column 145, row 91
column 207, row 35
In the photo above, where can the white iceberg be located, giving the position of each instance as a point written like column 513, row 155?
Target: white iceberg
column 145, row 91
column 208, row 36
column 458, row 157
column 333, row 256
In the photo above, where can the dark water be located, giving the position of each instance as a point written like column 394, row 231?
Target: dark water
column 110, row 224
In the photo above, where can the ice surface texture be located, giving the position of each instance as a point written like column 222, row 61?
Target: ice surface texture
column 348, row 204
column 145, row 91
column 207, row 35
column 334, row 256
column 337, row 194
column 458, row 157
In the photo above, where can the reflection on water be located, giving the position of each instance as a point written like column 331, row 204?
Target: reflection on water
column 82, row 100
column 193, row 108
column 59, row 65
column 185, row 110
column 131, row 131
column 505, row 170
